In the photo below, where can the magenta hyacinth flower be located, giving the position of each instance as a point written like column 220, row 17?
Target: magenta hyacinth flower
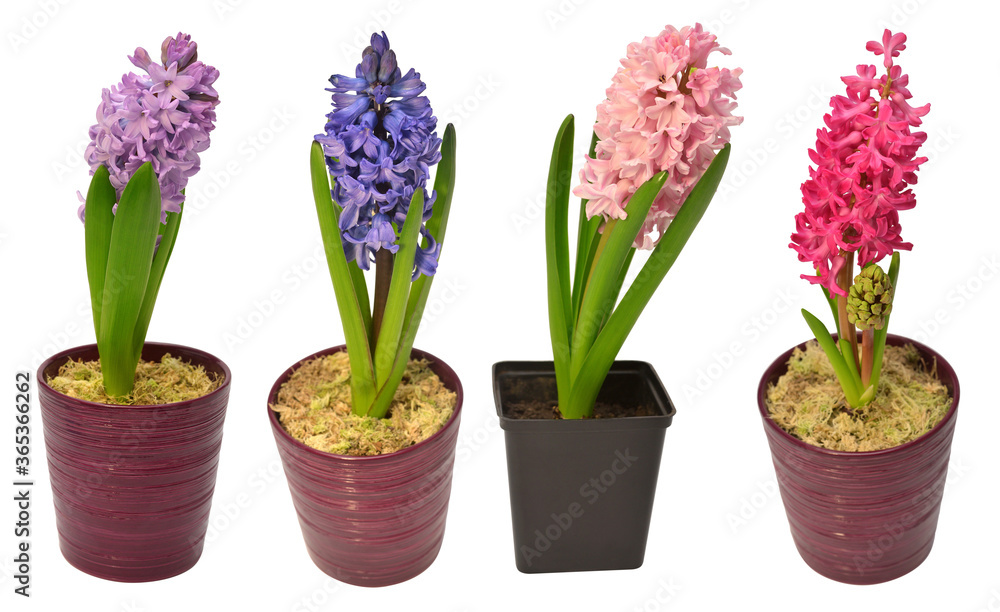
column 666, row 109
column 164, row 117
column 865, row 164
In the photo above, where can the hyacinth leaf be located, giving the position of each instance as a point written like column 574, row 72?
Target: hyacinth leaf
column 557, row 251
column 623, row 318
column 168, row 236
column 361, row 292
column 851, row 392
column 621, row 282
column 880, row 334
column 100, row 219
column 586, row 243
column 850, row 358
column 598, row 296
column 130, row 256
column 355, row 333
column 399, row 291
column 444, row 186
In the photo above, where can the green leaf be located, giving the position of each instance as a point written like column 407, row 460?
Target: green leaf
column 598, row 295
column 623, row 318
column 851, row 392
column 586, row 245
column 852, row 362
column 160, row 261
column 557, row 251
column 355, row 331
column 399, row 291
column 444, row 186
column 130, row 257
column 99, row 220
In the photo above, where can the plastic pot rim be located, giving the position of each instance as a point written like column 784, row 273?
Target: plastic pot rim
column 206, row 356
column 658, row 390
column 277, row 426
column 901, row 340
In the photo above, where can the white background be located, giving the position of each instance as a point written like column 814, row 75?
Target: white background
column 247, row 284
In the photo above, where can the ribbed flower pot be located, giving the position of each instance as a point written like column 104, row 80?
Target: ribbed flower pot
column 132, row 485
column 372, row 521
column 581, row 491
column 864, row 517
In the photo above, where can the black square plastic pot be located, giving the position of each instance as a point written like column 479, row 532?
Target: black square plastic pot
column 581, row 491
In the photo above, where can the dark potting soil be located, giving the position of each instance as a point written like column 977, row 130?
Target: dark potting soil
column 534, row 409
column 537, row 399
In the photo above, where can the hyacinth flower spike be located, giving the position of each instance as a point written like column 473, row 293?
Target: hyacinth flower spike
column 377, row 149
column 660, row 148
column 144, row 147
column 866, row 162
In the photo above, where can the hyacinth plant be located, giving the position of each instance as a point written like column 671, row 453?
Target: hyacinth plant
column 150, row 130
column 866, row 162
column 377, row 149
column 659, row 150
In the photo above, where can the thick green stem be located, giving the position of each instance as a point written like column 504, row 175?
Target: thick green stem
column 845, row 328
column 383, row 279
column 867, row 356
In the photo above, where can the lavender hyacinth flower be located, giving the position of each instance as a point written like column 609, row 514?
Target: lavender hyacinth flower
column 380, row 142
column 163, row 117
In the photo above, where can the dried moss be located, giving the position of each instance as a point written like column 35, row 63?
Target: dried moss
column 156, row 383
column 808, row 403
column 314, row 407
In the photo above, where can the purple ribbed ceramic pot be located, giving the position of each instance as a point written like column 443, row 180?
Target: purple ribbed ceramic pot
column 372, row 521
column 133, row 485
column 865, row 517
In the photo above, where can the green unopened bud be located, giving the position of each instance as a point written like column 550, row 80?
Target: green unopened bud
column 869, row 300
